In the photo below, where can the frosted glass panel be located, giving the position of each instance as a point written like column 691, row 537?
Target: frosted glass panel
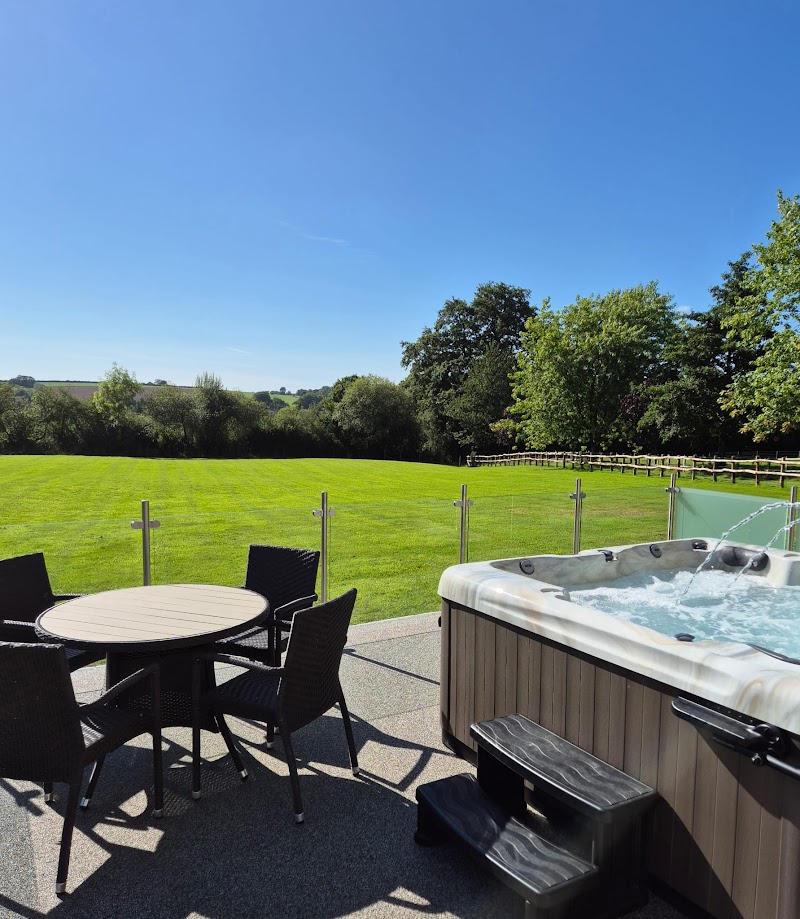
column 706, row 513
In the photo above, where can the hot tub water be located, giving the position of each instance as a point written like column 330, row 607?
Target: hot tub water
column 719, row 606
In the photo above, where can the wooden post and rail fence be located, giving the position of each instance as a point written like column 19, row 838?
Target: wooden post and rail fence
column 755, row 468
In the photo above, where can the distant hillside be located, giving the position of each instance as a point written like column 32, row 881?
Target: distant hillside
column 84, row 389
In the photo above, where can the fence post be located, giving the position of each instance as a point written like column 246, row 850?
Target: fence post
column 671, row 490
column 324, row 513
column 145, row 525
column 577, row 496
column 465, row 505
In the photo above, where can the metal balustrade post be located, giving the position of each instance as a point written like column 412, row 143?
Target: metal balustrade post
column 465, row 505
column 324, row 513
column 577, row 496
column 145, row 525
column 791, row 517
column 672, row 491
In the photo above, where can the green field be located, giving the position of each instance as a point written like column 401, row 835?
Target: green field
column 393, row 531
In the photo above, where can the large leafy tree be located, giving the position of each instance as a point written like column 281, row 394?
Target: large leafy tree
column 766, row 398
column 578, row 367
column 375, row 417
column 685, row 411
column 479, row 339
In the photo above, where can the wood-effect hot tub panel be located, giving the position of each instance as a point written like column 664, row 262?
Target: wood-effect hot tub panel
column 726, row 834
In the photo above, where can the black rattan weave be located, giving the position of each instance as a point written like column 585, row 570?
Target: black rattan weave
column 46, row 736
column 294, row 695
column 287, row 579
column 25, row 593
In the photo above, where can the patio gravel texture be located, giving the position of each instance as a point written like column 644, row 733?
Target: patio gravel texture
column 236, row 852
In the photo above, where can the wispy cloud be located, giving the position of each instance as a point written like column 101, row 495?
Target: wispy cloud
column 237, row 350
column 299, row 231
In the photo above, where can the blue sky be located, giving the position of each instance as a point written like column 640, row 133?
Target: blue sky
column 279, row 193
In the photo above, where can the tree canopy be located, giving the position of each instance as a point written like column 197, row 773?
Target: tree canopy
column 766, row 397
column 468, row 340
column 577, row 367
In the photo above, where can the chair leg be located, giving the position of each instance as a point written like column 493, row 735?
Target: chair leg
column 348, row 730
column 158, row 776
column 270, row 736
column 92, row 781
column 222, row 724
column 299, row 816
column 47, row 788
column 66, row 833
column 158, row 759
column 196, row 713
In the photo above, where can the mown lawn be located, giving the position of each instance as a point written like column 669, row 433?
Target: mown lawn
column 393, row 531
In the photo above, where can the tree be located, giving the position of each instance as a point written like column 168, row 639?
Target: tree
column 215, row 407
column 116, row 395
column 299, row 432
column 479, row 404
column 376, row 417
column 266, row 399
column 765, row 398
column 12, row 418
column 685, row 412
column 174, row 414
column 59, row 422
column 442, row 359
column 578, row 366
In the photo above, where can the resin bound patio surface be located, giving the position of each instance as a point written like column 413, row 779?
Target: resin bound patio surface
column 237, row 852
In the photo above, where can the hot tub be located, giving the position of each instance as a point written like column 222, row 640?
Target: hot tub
column 726, row 835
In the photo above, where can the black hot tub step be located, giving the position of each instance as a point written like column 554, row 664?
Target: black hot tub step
column 539, row 871
column 564, row 771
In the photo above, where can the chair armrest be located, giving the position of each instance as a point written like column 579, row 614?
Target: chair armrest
column 288, row 610
column 237, row 662
column 15, row 630
column 152, row 670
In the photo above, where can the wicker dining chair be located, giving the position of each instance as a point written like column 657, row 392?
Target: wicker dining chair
column 25, row 593
column 291, row 696
column 286, row 578
column 46, row 736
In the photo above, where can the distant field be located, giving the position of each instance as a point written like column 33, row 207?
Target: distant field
column 83, row 389
column 395, row 527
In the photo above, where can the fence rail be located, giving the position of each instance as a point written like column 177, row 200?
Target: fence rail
column 782, row 468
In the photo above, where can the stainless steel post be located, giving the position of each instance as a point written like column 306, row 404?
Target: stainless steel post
column 791, row 517
column 145, row 525
column 324, row 513
column 465, row 505
column 577, row 496
column 672, row 491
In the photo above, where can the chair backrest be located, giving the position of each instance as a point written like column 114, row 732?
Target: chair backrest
column 40, row 732
column 282, row 574
column 25, row 590
column 310, row 684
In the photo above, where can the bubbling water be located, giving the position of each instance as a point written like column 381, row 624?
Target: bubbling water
column 757, row 613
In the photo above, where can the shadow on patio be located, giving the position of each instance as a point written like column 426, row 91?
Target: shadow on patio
column 237, row 852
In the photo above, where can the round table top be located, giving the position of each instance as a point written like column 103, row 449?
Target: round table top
column 153, row 618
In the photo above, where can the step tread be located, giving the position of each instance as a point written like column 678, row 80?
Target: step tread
column 559, row 767
column 538, row 870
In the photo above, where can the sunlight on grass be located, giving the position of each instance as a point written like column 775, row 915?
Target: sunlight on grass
column 393, row 532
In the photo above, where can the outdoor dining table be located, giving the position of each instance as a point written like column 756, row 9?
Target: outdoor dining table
column 166, row 624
